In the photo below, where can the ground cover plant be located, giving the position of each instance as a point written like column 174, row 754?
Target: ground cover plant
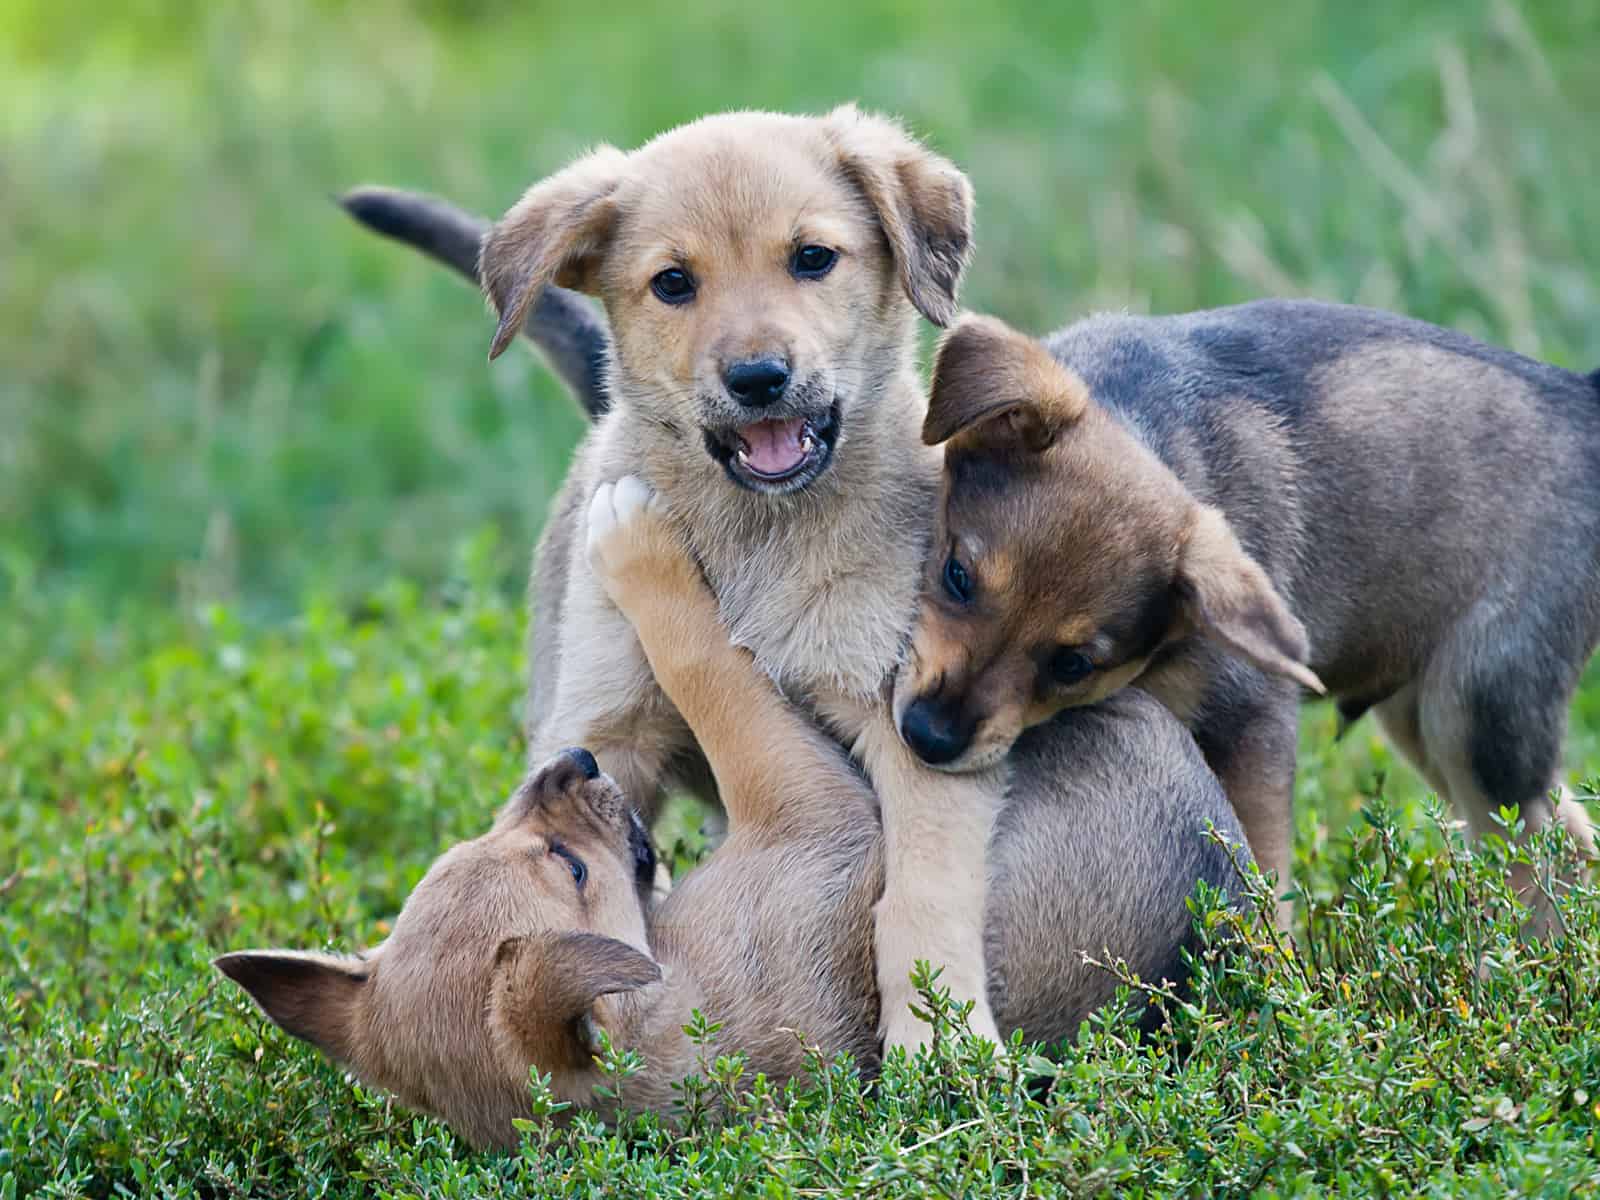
column 264, row 515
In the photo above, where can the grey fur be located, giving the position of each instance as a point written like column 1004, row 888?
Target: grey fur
column 1428, row 505
column 1065, row 876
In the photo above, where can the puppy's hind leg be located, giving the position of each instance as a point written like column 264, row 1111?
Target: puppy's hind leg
column 1400, row 717
column 1493, row 716
column 936, row 829
column 1248, row 734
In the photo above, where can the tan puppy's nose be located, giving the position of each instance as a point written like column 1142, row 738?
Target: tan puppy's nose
column 565, row 770
column 584, row 761
column 757, row 382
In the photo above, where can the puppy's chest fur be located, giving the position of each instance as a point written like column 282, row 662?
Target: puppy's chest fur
column 824, row 600
column 820, row 587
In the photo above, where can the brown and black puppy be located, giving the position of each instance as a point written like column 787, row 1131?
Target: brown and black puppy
column 517, row 948
column 1229, row 506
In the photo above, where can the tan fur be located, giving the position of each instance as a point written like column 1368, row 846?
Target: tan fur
column 500, row 963
column 496, row 961
column 555, row 234
column 984, row 372
column 818, row 583
column 1231, row 599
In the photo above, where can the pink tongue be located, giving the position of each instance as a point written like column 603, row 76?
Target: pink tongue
column 773, row 447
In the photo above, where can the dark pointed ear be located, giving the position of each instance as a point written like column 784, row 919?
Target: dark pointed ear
column 1223, row 592
column 922, row 201
column 315, row 997
column 545, row 987
column 556, row 233
column 994, row 385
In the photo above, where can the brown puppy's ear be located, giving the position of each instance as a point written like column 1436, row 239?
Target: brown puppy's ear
column 555, row 234
column 1225, row 593
column 315, row 997
column 994, row 385
column 923, row 202
column 545, row 987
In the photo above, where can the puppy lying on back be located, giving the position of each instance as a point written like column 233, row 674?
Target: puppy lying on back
column 518, row 947
column 1150, row 500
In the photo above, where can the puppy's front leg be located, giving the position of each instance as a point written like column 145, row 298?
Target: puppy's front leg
column 774, row 770
column 1252, row 750
column 605, row 698
column 936, row 829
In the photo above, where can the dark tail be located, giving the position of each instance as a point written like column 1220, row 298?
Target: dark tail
column 573, row 336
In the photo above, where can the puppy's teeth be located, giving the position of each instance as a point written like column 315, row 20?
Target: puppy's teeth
column 743, row 456
column 807, row 445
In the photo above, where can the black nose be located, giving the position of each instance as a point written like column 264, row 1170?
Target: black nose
column 935, row 731
column 584, row 760
column 757, row 382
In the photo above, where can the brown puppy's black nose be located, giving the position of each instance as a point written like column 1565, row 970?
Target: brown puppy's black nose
column 757, row 382
column 936, row 732
column 584, row 760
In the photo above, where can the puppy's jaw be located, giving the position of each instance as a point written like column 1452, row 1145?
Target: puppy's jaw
column 594, row 816
column 979, row 757
column 812, row 438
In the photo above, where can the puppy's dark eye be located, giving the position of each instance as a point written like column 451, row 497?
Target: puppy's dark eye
column 673, row 286
column 644, row 863
column 813, row 262
column 1069, row 666
column 956, row 581
column 580, row 873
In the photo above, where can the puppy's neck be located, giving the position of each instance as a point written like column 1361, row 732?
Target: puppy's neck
column 820, row 586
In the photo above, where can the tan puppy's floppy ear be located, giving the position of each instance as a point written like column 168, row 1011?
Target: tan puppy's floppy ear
column 556, row 233
column 315, row 997
column 994, row 385
column 1225, row 593
column 922, row 200
column 545, row 987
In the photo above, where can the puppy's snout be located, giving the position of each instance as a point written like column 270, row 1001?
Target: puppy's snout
column 757, row 382
column 938, row 733
column 565, row 770
column 584, row 761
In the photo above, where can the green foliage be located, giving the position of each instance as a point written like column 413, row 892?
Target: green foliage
column 191, row 789
column 215, row 388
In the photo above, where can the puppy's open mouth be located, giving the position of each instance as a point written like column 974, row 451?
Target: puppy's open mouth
column 776, row 455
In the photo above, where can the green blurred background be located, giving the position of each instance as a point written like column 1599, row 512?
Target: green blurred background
column 214, row 388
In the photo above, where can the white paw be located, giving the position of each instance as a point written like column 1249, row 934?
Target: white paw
column 628, row 535
column 907, row 1032
column 614, row 507
column 902, row 1027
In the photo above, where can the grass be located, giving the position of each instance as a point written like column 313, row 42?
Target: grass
column 263, row 513
column 181, row 790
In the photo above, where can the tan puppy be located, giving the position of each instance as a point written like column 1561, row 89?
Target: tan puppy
column 762, row 275
column 1135, row 499
column 517, row 948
